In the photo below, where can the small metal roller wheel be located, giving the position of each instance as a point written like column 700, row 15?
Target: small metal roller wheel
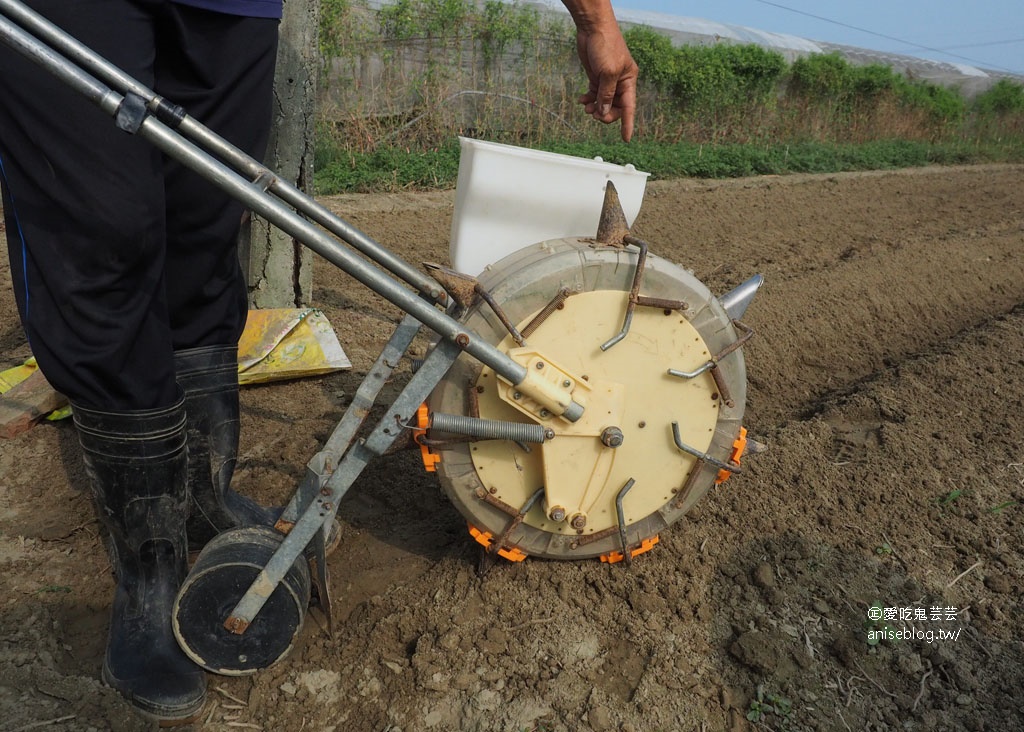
column 220, row 578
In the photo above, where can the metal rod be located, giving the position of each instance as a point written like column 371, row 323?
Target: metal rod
column 634, row 291
column 692, row 374
column 499, row 542
column 85, row 84
column 104, row 71
column 621, row 516
column 662, row 303
column 723, row 387
column 747, row 333
column 713, row 365
column 322, row 465
column 291, row 223
column 690, row 481
column 701, row 455
column 716, row 374
column 496, row 308
column 325, row 506
column 254, row 197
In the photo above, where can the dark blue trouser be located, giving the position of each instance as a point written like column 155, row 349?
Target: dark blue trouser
column 120, row 256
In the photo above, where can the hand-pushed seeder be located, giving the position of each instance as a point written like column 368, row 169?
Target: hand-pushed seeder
column 580, row 394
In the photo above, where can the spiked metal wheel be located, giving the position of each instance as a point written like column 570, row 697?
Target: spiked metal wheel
column 652, row 356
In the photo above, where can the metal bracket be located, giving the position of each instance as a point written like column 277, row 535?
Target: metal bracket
column 621, row 516
column 712, row 365
column 638, row 278
column 131, row 113
column 324, row 506
column 499, row 542
column 701, row 455
column 635, row 298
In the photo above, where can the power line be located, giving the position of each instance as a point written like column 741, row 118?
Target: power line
column 882, row 35
column 981, row 45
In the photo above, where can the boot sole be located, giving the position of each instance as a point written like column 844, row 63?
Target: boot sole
column 163, row 718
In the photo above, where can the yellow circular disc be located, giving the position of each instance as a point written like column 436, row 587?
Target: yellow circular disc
column 623, row 446
column 628, row 388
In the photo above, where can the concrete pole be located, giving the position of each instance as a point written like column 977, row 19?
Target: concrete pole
column 278, row 269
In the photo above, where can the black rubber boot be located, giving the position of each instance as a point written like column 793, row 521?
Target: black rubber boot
column 209, row 376
column 136, row 463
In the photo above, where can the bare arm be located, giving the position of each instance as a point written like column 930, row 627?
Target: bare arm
column 607, row 61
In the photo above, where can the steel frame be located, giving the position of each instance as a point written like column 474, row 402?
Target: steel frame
column 332, row 471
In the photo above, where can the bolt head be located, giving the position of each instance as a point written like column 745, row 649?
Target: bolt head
column 612, row 437
column 578, row 522
column 557, row 513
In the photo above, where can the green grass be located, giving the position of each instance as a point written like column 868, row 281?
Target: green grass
column 504, row 73
column 394, row 169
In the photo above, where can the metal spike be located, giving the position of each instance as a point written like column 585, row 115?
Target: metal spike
column 612, row 229
column 461, row 287
column 737, row 301
column 754, row 447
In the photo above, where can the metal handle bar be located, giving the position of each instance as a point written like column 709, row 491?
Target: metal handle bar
column 176, row 117
column 253, row 193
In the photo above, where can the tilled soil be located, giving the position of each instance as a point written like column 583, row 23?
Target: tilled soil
column 887, row 379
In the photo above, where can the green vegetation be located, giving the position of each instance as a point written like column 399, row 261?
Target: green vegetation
column 393, row 169
column 949, row 500
column 1000, row 507
column 767, row 703
column 400, row 84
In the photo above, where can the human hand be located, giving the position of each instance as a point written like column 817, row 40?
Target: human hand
column 609, row 66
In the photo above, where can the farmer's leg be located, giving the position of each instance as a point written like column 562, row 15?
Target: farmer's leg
column 85, row 209
column 220, row 68
column 85, row 214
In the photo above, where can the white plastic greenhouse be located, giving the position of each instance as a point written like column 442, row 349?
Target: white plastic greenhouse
column 698, row 31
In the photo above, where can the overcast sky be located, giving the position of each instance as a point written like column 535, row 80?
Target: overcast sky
column 985, row 33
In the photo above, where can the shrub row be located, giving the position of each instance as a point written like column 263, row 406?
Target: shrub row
column 504, row 72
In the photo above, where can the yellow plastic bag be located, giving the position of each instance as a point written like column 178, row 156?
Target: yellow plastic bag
column 287, row 344
column 13, row 376
column 17, row 374
column 276, row 344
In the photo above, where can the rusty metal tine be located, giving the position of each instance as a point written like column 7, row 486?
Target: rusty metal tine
column 634, row 291
column 496, row 308
column 620, row 514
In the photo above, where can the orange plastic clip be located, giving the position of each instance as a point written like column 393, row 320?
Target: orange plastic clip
column 645, row 546
column 430, row 459
column 738, row 448
column 485, row 538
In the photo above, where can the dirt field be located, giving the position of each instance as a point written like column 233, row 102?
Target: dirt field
column 887, row 379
